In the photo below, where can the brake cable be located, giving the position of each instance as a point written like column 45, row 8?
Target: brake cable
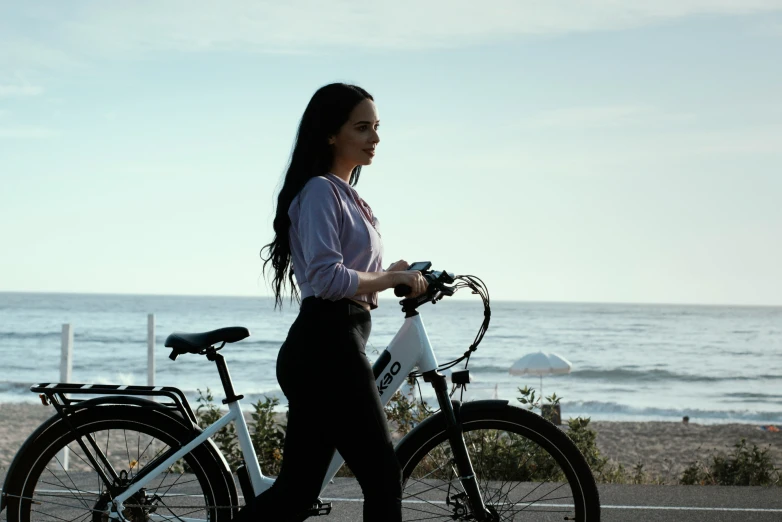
column 478, row 287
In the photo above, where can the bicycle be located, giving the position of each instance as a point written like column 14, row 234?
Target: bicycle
column 483, row 460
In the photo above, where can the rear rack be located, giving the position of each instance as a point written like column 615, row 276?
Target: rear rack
column 55, row 393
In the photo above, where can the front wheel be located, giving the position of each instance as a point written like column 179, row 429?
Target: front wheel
column 58, row 480
column 527, row 469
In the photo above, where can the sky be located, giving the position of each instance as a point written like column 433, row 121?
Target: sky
column 591, row 151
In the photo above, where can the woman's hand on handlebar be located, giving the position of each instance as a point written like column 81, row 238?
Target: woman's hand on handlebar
column 414, row 279
column 398, row 266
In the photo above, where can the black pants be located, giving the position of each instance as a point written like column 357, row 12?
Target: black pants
column 333, row 403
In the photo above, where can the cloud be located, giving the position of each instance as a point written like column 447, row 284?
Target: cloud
column 26, row 133
column 24, row 89
column 21, row 52
column 759, row 139
column 769, row 28
column 608, row 116
column 97, row 28
column 661, row 151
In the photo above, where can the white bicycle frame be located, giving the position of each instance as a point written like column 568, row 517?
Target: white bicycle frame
column 409, row 349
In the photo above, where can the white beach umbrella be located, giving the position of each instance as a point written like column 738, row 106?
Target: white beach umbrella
column 541, row 363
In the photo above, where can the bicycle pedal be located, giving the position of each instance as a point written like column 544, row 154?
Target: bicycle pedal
column 320, row 509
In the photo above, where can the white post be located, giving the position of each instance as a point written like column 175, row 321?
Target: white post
column 150, row 349
column 66, row 366
column 66, row 356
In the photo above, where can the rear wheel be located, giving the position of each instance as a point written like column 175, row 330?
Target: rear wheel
column 65, row 485
column 527, row 470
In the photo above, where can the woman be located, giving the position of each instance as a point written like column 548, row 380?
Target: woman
column 327, row 236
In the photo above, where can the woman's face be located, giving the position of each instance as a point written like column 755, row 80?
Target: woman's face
column 357, row 139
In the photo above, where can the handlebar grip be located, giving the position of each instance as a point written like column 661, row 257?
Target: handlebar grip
column 402, row 290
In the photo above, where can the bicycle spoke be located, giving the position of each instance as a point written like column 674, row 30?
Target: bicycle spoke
column 84, row 502
column 172, row 485
column 490, row 501
column 153, row 462
column 177, row 517
column 49, row 492
column 186, row 481
column 434, row 517
column 544, row 498
column 498, row 492
column 481, row 472
column 145, row 452
column 430, row 473
column 447, row 512
column 534, row 490
column 74, row 452
column 61, row 484
column 127, row 451
column 60, row 504
column 86, row 517
column 429, row 502
column 52, row 516
column 521, row 466
column 106, row 449
column 426, row 501
column 517, row 478
column 438, row 487
column 162, row 480
column 81, row 518
column 104, row 469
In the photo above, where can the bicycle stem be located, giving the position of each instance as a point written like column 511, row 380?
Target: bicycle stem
column 453, row 429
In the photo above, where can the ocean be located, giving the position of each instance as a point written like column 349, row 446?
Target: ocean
column 632, row 362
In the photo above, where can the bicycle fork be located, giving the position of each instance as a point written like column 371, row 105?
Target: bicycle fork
column 453, row 429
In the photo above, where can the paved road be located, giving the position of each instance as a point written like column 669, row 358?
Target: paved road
column 645, row 503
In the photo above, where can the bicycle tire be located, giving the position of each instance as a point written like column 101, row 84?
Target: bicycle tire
column 44, row 490
column 525, row 476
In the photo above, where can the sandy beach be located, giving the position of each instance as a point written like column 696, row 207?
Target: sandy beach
column 665, row 448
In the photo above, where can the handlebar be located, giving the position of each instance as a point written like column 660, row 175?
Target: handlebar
column 442, row 284
column 437, row 283
column 402, row 290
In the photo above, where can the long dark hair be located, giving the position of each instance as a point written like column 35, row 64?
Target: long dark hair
column 327, row 111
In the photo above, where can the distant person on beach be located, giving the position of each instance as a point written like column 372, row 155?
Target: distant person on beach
column 329, row 238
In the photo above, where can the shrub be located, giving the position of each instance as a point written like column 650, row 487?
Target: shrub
column 404, row 414
column 585, row 439
column 208, row 413
column 743, row 467
column 266, row 435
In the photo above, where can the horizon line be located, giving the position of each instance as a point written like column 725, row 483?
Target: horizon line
column 388, row 299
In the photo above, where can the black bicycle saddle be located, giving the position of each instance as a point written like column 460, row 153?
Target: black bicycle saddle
column 195, row 342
